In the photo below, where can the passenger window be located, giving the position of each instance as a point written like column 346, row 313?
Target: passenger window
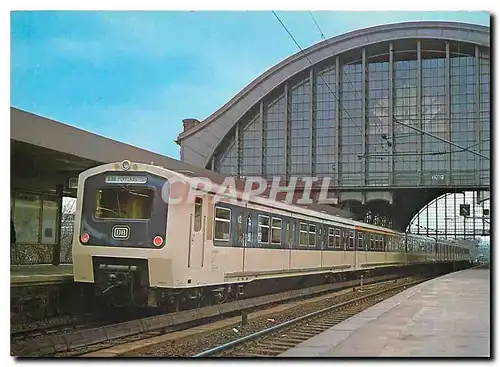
column 222, row 224
column 331, row 237
column 351, row 240
column 303, row 234
column 276, row 231
column 249, row 228
column 312, row 235
column 338, row 239
column 263, row 229
column 360, row 240
column 372, row 242
column 198, row 206
column 240, row 231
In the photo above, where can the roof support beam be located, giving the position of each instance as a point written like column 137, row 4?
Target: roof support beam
column 448, row 109
column 287, row 131
column 477, row 115
column 391, row 113
column 239, row 156
column 364, row 114
column 337, row 122
column 312, row 119
column 262, row 137
column 420, row 138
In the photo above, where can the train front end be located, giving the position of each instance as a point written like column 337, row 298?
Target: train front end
column 120, row 231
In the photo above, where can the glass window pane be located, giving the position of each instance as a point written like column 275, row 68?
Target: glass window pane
column 27, row 219
column 121, row 202
column 222, row 213
column 49, row 222
column 221, row 230
column 197, row 214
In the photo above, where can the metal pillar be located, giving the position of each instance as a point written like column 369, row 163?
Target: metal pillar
column 56, row 253
column 477, row 114
column 364, row 111
column 420, row 137
column 287, row 131
column 436, row 217
column 312, row 120
column 262, row 139
column 474, row 203
column 455, row 214
column 391, row 113
column 337, row 122
column 427, row 219
column 448, row 109
column 237, row 142
column 465, row 231
column 446, row 216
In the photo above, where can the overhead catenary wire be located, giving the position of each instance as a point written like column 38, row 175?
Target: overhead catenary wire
column 363, row 134
column 357, row 94
column 395, row 120
column 317, row 25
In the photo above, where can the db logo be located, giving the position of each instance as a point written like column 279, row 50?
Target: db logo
column 121, row 232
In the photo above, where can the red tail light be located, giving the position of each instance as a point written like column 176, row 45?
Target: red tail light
column 158, row 241
column 84, row 237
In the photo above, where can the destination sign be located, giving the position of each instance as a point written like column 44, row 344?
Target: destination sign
column 116, row 179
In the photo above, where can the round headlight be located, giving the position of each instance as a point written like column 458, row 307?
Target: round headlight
column 126, row 165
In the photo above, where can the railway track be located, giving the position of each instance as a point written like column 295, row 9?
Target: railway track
column 277, row 339
column 188, row 342
column 66, row 343
column 41, row 331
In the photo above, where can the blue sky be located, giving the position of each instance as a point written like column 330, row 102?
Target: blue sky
column 133, row 76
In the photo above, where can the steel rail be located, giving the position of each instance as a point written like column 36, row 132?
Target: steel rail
column 241, row 340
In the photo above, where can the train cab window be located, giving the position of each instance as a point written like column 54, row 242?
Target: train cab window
column 331, row 237
column 240, row 235
column 303, row 234
column 351, row 240
column 123, row 202
column 360, row 240
column 249, row 229
column 337, row 238
column 276, row 231
column 263, row 229
column 198, row 205
column 312, row 235
column 222, row 224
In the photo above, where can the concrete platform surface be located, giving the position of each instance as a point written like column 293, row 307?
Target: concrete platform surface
column 40, row 273
column 447, row 316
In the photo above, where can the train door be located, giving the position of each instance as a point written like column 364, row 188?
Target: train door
column 290, row 239
column 356, row 250
column 198, row 221
column 245, row 233
column 351, row 247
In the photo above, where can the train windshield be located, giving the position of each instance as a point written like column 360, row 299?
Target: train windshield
column 123, row 202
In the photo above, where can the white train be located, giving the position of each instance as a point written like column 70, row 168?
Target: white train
column 132, row 244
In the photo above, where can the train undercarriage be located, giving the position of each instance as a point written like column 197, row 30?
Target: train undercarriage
column 123, row 283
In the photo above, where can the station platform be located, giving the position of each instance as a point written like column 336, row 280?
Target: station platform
column 40, row 274
column 447, row 316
